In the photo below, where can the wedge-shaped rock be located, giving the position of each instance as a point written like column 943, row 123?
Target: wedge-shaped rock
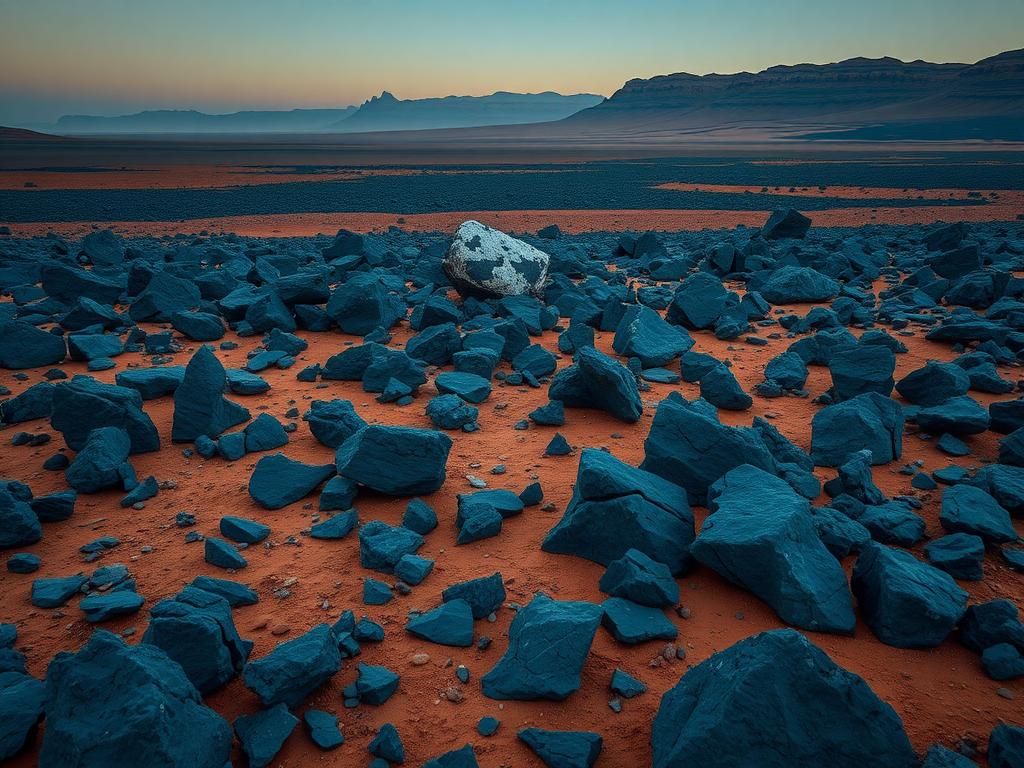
column 100, row 463
column 113, row 705
column 398, row 461
column 597, row 381
column 563, row 749
column 775, row 700
column 451, row 623
column 644, row 334
column 278, row 481
column 966, row 509
column 548, row 643
column 200, row 407
column 294, row 669
column 637, row 577
column 616, row 508
column 760, row 536
column 907, row 603
column 195, row 628
column 860, row 369
column 22, row 345
column 870, row 421
column 633, row 623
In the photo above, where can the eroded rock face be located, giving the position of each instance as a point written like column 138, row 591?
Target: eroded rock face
column 485, row 262
column 775, row 701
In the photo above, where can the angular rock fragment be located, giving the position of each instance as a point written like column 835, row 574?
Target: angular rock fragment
column 398, row 461
column 200, row 407
column 597, row 381
column 563, row 749
column 294, row 669
column 278, row 481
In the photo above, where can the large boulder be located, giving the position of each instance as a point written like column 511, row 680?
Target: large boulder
column 547, row 645
column 195, row 629
column 332, row 422
column 101, row 462
column 398, row 461
column 83, row 404
column 774, row 700
column 760, row 536
column 783, row 223
column 616, row 508
column 860, row 369
column 907, row 603
column 112, row 705
column 486, row 262
column 294, row 669
column 967, row 509
column 278, row 481
column 22, row 345
column 643, row 333
column 598, row 381
column 869, row 421
column 689, row 447
column 21, row 709
column 200, row 407
column 365, row 302
column 793, row 285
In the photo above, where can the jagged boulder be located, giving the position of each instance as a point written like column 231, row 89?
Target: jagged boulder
column 294, row 669
column 869, row 421
column 22, row 345
column 83, row 404
column 597, row 381
column 200, row 407
column 775, row 700
column 398, row 461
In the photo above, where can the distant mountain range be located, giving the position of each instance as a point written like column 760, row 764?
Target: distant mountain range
column 857, row 98
column 381, row 113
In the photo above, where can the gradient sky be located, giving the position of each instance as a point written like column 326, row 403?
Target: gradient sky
column 119, row 56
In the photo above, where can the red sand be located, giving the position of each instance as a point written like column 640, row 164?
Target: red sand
column 941, row 694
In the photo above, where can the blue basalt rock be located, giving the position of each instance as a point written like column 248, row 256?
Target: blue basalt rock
column 195, row 628
column 242, row 382
column 21, row 709
column 200, row 407
column 337, row 526
column 625, row 685
column 375, row 684
column 464, row 757
column 397, row 461
column 98, row 465
column 855, row 479
column 198, row 326
column 966, row 509
column 112, row 705
column 381, row 546
column 637, row 577
column 54, row 592
column 231, row 447
column 54, row 507
column 419, row 516
column 484, row 594
column 451, row 623
column 338, row 495
column 720, row 388
column 760, row 535
column 796, row 705
column 487, row 726
column 364, row 302
column 644, row 334
column 23, row 563
column 294, row 669
column 597, row 381
column 323, row 729
column 633, row 623
column 793, row 285
column 785, row 223
column 479, row 361
column 892, row 523
column 907, row 603
column 862, row 369
column 1006, row 746
column 615, row 508
column 413, row 569
column 788, row 370
column 84, row 404
column 934, row 384
column 236, row 594
column 268, row 312
column 1004, row 483
column 22, row 345
column 468, row 386
column 19, row 525
column 165, row 295
column 36, row 402
column 870, row 421
column 94, row 347
column 262, row 734
column 958, row 416
column 451, row 412
column 689, row 447
column 698, row 302
column 435, row 345
column 840, row 534
column 990, row 623
column 551, row 414
column 278, row 481
column 563, row 749
column 548, row 643
column 221, row 554
column 386, row 364
column 558, row 446
column 535, row 359
column 333, row 421
column 264, row 433
column 243, row 530
column 387, row 745
column 1003, row 662
column 144, row 491
column 376, row 592
column 100, row 607
column 939, row 756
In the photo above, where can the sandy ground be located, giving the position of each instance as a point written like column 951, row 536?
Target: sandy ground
column 941, row 694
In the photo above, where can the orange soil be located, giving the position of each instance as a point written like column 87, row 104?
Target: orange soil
column 572, row 221
column 941, row 694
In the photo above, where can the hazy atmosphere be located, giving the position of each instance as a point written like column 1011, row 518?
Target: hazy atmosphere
column 110, row 57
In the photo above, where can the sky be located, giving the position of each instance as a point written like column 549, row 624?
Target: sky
column 110, row 57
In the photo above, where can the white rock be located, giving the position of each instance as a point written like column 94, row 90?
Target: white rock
column 486, row 261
